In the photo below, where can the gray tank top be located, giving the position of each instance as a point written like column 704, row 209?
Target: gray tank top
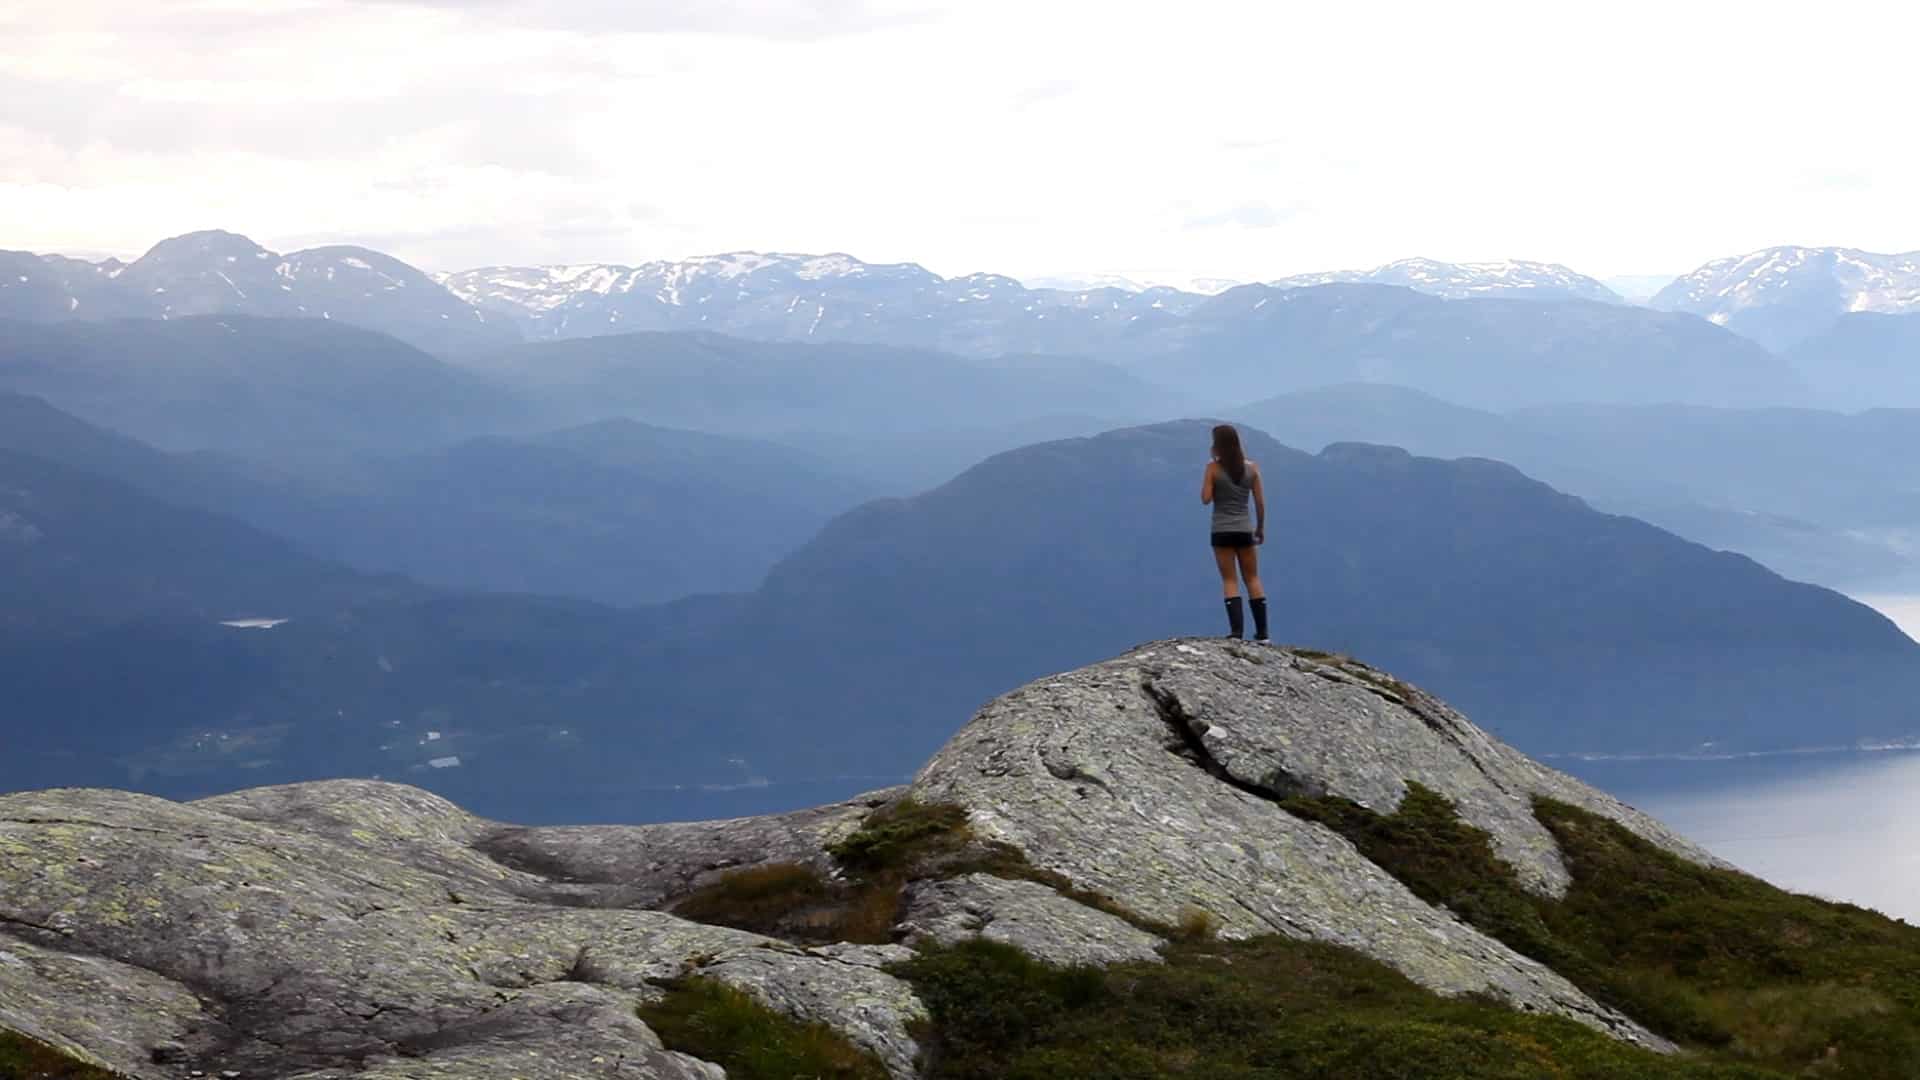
column 1230, row 512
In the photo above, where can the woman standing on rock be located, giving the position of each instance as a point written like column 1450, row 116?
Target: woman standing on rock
column 1237, row 537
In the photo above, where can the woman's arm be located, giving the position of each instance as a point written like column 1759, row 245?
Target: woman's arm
column 1206, row 485
column 1260, row 509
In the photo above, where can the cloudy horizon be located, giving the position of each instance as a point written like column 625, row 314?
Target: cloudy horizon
column 1217, row 139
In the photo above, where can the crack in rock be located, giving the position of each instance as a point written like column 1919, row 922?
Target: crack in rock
column 1279, row 784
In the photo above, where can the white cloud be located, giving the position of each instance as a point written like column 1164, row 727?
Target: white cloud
column 1017, row 137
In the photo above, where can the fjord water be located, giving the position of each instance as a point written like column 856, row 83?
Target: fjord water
column 1840, row 825
column 1844, row 825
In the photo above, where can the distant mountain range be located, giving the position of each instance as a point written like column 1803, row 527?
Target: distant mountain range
column 815, row 298
column 838, row 297
column 1248, row 342
column 221, row 273
column 1784, row 295
column 1490, row 352
column 296, row 391
column 1490, row 584
column 82, row 548
column 273, row 388
column 1459, row 281
column 617, row 511
column 1781, row 297
column 1565, row 629
column 1863, row 360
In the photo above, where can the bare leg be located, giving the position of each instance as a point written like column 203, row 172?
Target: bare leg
column 1229, row 582
column 1249, row 569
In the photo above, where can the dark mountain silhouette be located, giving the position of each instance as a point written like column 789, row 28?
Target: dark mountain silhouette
column 85, row 549
column 618, row 512
column 1564, row 629
column 117, row 660
column 275, row 388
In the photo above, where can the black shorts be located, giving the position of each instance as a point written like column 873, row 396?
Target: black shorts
column 1235, row 540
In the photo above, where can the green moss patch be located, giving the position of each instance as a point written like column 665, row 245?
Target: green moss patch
column 898, row 835
column 22, row 1058
column 1712, row 958
column 898, row 844
column 1271, row 1009
column 797, row 903
column 718, row 1023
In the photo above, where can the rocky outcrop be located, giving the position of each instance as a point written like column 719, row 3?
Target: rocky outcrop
column 645, row 865
column 1153, row 779
column 366, row 929
column 356, row 929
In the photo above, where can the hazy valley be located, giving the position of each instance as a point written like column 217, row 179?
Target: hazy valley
column 520, row 571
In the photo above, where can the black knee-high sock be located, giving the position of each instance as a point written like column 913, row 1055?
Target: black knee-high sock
column 1259, row 604
column 1236, row 622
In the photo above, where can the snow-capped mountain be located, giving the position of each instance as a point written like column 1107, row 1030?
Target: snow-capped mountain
column 223, row 273
column 46, row 287
column 775, row 296
column 1784, row 295
column 1459, row 281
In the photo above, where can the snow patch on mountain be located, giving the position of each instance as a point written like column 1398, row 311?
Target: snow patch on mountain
column 1782, row 296
column 1856, row 281
column 1458, row 281
column 222, row 273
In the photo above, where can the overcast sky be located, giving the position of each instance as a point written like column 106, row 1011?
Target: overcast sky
column 1242, row 140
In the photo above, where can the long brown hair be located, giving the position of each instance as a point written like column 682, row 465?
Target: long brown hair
column 1226, row 450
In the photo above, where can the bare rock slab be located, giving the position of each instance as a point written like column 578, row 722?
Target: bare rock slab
column 1027, row 915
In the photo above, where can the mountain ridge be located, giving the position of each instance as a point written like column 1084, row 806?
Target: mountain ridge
column 215, row 272
column 1512, row 278
column 1780, row 296
column 858, row 647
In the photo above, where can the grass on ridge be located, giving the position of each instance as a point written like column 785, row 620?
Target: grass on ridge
column 729, row 1027
column 1266, row 1009
column 1711, row 958
column 1756, row 981
column 900, row 843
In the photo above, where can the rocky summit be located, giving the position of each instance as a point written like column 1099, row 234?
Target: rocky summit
column 1099, row 817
